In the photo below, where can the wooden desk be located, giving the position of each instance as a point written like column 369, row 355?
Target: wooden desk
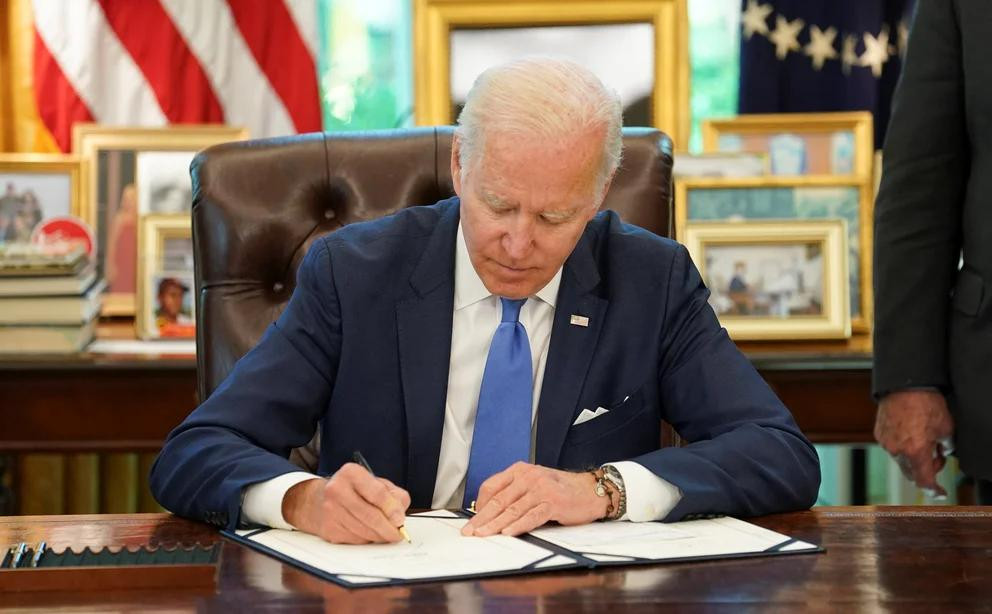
column 905, row 559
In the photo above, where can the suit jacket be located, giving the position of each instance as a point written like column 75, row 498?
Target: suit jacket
column 933, row 323
column 363, row 347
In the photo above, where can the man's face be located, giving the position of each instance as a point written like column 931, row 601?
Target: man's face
column 524, row 206
column 171, row 300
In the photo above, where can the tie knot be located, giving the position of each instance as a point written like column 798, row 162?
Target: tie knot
column 511, row 308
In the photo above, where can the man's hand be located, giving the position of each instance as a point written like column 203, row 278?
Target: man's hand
column 909, row 425
column 527, row 496
column 350, row 507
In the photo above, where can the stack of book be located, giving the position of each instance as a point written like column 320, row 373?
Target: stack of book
column 49, row 300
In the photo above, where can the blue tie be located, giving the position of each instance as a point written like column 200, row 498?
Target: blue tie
column 502, row 422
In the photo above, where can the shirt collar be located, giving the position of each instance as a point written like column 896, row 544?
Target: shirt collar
column 469, row 288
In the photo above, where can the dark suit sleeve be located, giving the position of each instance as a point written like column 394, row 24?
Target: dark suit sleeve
column 269, row 404
column 918, row 210
column 746, row 456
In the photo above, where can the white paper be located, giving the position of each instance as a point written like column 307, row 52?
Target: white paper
column 659, row 541
column 438, row 549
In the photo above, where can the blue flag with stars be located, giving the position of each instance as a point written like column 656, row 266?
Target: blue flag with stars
column 822, row 55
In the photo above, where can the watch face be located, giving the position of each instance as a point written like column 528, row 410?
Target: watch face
column 610, row 472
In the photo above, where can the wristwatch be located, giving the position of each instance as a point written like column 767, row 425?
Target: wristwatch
column 610, row 473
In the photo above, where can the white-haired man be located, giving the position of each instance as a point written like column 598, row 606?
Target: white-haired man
column 512, row 346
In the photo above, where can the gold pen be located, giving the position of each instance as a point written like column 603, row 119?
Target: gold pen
column 358, row 458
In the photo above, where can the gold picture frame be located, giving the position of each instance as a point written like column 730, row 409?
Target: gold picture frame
column 859, row 124
column 796, row 199
column 775, row 280
column 90, row 141
column 154, row 273
column 15, row 173
column 435, row 20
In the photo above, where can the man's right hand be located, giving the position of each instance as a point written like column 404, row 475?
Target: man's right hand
column 909, row 425
column 350, row 507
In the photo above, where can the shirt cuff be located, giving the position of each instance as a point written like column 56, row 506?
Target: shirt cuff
column 262, row 503
column 649, row 497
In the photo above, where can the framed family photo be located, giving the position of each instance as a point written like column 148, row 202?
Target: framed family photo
column 633, row 46
column 796, row 199
column 799, row 143
column 36, row 187
column 775, row 280
column 165, row 281
column 133, row 172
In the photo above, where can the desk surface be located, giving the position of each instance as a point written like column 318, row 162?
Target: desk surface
column 877, row 558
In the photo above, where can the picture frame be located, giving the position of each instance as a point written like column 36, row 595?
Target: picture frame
column 165, row 300
column 441, row 25
column 719, row 164
column 772, row 198
column 111, row 188
column 34, row 187
column 806, row 144
column 775, row 280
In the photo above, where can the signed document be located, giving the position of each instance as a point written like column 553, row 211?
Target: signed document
column 438, row 550
column 655, row 541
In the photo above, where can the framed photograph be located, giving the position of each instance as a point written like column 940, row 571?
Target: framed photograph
column 36, row 187
column 775, row 280
column 795, row 199
column 165, row 290
column 718, row 164
column 799, row 143
column 131, row 172
column 163, row 182
column 636, row 47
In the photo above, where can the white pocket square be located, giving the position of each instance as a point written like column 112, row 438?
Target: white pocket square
column 585, row 415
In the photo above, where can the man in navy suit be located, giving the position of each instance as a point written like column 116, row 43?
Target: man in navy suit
column 511, row 346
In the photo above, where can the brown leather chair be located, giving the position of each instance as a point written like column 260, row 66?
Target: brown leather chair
column 258, row 205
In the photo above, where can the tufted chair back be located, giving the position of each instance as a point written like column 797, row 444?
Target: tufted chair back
column 258, row 205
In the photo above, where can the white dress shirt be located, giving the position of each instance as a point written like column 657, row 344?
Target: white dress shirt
column 477, row 314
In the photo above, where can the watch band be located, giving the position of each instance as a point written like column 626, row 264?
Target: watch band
column 613, row 475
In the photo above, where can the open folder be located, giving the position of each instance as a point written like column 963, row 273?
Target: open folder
column 438, row 551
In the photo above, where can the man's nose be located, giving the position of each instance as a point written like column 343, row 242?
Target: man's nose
column 519, row 239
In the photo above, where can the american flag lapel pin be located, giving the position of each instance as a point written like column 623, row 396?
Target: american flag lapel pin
column 578, row 320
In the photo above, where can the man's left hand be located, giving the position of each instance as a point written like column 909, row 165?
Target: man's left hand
column 527, row 496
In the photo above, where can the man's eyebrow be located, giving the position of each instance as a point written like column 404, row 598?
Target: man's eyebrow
column 560, row 215
column 496, row 200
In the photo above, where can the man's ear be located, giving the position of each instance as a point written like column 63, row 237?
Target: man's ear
column 456, row 165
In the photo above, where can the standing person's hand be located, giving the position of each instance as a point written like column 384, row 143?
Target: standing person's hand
column 350, row 507
column 912, row 425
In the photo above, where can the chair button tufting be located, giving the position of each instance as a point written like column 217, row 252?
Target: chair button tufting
column 329, row 214
column 277, row 287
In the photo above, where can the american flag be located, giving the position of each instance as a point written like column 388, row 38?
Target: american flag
column 155, row 62
column 822, row 55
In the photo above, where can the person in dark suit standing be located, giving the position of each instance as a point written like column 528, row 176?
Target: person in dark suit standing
column 511, row 346
column 933, row 318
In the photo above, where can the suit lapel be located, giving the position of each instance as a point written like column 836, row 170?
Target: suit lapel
column 424, row 336
column 570, row 352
